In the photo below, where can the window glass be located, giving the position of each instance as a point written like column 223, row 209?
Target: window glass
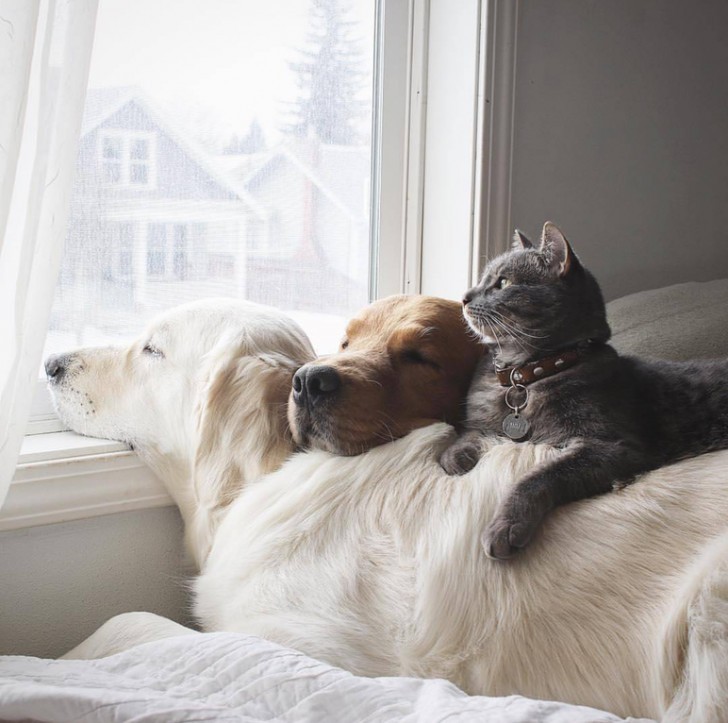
column 228, row 155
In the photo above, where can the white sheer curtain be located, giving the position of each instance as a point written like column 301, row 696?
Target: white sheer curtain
column 45, row 50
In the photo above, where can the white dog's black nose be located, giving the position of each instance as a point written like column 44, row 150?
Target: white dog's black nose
column 314, row 383
column 56, row 365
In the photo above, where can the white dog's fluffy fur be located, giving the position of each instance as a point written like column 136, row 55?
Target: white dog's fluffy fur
column 373, row 563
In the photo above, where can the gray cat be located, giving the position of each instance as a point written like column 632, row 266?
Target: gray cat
column 552, row 378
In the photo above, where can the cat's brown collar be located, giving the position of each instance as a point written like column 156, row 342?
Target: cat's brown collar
column 540, row 369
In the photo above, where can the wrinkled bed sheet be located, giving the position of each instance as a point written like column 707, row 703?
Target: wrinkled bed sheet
column 232, row 677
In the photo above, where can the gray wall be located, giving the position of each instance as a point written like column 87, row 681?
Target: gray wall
column 58, row 583
column 621, row 135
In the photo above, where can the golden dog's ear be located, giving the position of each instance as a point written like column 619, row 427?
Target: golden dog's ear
column 242, row 431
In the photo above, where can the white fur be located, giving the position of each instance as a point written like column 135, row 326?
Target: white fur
column 373, row 563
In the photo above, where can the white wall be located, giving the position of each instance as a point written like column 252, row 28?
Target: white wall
column 621, row 135
column 58, row 583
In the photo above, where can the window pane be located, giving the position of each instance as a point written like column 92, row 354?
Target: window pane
column 112, row 147
column 125, row 269
column 179, row 256
column 138, row 174
column 253, row 121
column 156, row 249
column 112, row 172
column 139, row 149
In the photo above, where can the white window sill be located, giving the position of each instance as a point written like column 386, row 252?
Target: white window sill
column 63, row 476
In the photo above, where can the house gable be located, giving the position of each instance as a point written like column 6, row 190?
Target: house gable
column 179, row 172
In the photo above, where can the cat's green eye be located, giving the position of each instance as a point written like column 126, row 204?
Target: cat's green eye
column 502, row 283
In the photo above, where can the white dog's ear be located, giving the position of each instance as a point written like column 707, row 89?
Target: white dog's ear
column 242, row 431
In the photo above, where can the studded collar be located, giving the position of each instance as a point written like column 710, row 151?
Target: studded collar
column 540, row 369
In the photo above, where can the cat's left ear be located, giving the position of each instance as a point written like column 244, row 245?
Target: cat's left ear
column 556, row 249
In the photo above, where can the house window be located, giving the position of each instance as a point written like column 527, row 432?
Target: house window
column 139, row 160
column 180, row 252
column 125, row 263
column 169, row 250
column 127, row 158
column 156, row 250
column 111, row 156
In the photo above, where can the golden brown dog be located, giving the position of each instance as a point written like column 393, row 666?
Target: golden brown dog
column 406, row 362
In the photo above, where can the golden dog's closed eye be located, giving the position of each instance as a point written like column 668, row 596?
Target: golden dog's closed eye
column 415, row 356
column 153, row 351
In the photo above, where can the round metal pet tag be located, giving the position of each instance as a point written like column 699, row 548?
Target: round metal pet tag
column 516, row 427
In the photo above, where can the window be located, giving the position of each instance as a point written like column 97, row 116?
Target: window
column 125, row 252
column 156, row 250
column 126, row 158
column 225, row 156
column 169, row 251
column 111, row 156
column 270, row 213
column 139, row 160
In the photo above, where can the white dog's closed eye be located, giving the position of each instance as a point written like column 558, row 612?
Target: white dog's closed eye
column 152, row 350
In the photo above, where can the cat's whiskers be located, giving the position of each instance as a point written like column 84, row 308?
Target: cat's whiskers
column 493, row 334
column 515, row 329
column 509, row 334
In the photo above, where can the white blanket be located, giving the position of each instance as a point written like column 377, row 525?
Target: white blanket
column 233, row 677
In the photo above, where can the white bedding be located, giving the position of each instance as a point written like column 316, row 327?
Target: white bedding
column 233, row 677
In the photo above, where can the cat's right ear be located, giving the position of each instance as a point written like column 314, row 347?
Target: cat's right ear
column 556, row 249
column 520, row 241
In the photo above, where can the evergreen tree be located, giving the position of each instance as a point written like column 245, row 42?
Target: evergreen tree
column 329, row 78
column 253, row 142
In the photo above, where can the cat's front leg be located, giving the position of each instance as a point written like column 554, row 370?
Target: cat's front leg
column 516, row 522
column 591, row 467
column 463, row 454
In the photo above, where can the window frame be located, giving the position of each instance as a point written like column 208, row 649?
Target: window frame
column 422, row 113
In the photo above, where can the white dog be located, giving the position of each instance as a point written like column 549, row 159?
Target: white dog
column 373, row 563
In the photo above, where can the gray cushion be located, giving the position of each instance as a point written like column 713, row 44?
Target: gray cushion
column 684, row 321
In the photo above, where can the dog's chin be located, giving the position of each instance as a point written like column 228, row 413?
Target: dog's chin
column 311, row 433
column 77, row 410
column 73, row 410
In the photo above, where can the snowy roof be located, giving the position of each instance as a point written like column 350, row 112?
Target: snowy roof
column 332, row 161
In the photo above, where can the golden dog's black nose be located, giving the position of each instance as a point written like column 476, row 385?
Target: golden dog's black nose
column 55, row 366
column 313, row 383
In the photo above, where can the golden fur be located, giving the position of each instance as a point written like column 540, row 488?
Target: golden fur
column 406, row 362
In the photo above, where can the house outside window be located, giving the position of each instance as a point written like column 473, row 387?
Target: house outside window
column 128, row 158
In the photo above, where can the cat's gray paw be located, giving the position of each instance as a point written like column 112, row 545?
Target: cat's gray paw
column 460, row 457
column 508, row 534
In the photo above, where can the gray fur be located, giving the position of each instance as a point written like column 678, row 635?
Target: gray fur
column 615, row 416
